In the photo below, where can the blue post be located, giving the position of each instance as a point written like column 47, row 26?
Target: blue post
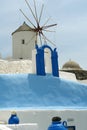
column 55, row 68
column 40, row 67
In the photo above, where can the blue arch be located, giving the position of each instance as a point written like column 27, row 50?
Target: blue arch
column 43, row 47
column 40, row 65
column 46, row 46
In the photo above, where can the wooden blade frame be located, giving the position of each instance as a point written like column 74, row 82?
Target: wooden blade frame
column 32, row 11
column 48, row 39
column 38, row 29
column 27, row 18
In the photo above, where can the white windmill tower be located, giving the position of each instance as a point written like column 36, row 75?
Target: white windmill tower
column 25, row 37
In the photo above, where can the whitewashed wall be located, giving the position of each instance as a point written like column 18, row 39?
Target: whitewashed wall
column 23, row 50
column 67, row 76
column 83, row 81
column 47, row 61
column 43, row 117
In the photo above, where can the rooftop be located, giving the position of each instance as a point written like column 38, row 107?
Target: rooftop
column 23, row 27
column 71, row 65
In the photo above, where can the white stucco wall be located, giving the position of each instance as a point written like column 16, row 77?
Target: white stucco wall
column 83, row 81
column 23, row 50
column 67, row 75
column 47, row 61
column 47, row 58
column 43, row 117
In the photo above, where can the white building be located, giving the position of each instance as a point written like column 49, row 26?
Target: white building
column 74, row 68
column 23, row 40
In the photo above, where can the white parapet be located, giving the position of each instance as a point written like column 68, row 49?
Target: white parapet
column 34, row 61
column 67, row 76
column 25, row 126
column 4, row 127
column 40, row 119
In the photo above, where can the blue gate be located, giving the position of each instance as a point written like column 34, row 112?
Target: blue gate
column 40, row 65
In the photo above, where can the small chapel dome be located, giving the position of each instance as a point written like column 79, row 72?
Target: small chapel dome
column 71, row 65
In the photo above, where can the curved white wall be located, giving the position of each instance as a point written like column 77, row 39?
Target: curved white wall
column 20, row 50
column 43, row 117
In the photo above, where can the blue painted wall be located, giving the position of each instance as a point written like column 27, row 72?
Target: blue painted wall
column 24, row 90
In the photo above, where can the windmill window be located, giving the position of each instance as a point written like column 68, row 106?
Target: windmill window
column 23, row 41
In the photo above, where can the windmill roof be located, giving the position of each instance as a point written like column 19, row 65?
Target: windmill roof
column 23, row 27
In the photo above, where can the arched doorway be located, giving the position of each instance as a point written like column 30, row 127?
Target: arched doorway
column 40, row 64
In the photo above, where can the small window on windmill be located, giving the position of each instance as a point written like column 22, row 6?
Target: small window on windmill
column 23, row 41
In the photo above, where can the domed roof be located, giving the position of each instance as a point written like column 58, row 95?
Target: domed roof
column 71, row 65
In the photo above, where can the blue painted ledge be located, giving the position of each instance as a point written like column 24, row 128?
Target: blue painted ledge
column 29, row 90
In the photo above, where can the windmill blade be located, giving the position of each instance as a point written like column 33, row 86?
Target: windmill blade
column 48, row 39
column 48, row 30
column 30, row 40
column 46, row 21
column 27, row 18
column 41, row 13
column 36, row 12
column 31, row 10
column 44, row 39
column 48, row 26
column 40, row 38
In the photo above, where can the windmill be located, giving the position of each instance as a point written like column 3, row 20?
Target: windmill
column 39, row 30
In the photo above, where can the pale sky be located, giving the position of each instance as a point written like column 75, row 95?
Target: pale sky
column 71, row 32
